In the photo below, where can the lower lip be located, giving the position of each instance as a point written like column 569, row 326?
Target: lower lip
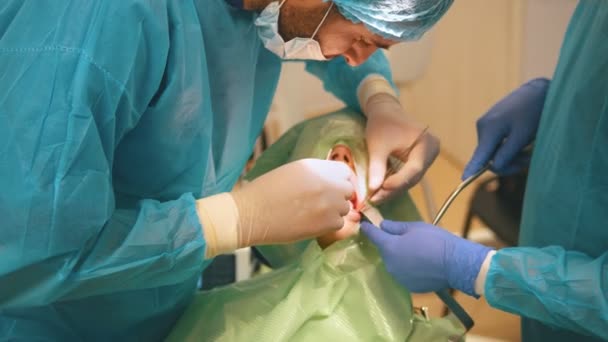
column 353, row 200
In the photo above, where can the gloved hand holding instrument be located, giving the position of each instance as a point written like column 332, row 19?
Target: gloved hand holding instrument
column 393, row 168
column 409, row 272
column 388, row 129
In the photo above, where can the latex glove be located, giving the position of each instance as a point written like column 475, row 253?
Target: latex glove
column 350, row 228
column 303, row 199
column 507, row 128
column 425, row 258
column 388, row 131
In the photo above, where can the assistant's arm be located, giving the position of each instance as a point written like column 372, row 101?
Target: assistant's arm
column 562, row 288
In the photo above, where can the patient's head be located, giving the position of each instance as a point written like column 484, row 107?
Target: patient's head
column 338, row 136
column 343, row 153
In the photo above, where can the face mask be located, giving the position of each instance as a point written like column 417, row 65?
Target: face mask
column 298, row 48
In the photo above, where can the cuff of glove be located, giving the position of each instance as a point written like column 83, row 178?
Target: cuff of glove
column 371, row 85
column 219, row 217
column 480, row 281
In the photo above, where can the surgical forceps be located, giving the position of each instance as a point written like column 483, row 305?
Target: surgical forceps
column 457, row 191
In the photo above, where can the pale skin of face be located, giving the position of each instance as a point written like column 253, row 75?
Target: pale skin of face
column 342, row 153
column 337, row 36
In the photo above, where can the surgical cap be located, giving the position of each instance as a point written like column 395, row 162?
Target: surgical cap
column 399, row 20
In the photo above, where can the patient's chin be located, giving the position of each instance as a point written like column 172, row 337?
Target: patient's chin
column 350, row 228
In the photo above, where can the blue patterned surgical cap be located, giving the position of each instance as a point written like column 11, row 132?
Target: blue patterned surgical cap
column 399, row 20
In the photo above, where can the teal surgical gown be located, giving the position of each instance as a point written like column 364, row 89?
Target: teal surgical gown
column 561, row 286
column 115, row 116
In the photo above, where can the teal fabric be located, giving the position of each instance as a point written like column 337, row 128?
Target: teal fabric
column 114, row 117
column 562, row 287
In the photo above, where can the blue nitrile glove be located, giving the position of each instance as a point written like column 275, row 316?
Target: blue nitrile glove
column 426, row 258
column 507, row 128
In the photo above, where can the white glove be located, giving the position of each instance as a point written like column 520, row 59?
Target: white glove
column 299, row 200
column 390, row 130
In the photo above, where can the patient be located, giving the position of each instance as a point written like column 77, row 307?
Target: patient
column 333, row 289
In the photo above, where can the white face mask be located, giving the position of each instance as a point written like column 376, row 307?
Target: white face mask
column 298, row 48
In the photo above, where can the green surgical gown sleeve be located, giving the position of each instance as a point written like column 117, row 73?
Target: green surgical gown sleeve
column 561, row 288
column 65, row 105
column 342, row 80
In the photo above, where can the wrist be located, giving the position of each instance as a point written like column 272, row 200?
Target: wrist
column 372, row 85
column 464, row 262
column 480, row 281
column 219, row 217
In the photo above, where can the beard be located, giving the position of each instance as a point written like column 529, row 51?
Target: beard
column 301, row 21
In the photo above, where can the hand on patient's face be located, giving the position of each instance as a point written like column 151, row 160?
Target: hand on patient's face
column 310, row 195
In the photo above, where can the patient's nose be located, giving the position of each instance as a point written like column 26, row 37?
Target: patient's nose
column 340, row 156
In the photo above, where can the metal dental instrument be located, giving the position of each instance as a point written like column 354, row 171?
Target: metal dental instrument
column 393, row 168
column 456, row 192
column 445, row 295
